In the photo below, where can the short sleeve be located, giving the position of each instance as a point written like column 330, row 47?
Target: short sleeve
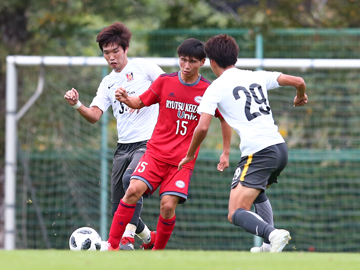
column 270, row 78
column 149, row 68
column 101, row 99
column 209, row 100
column 153, row 94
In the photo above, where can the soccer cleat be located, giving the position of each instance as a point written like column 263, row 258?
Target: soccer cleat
column 278, row 240
column 106, row 246
column 263, row 248
column 151, row 244
column 127, row 243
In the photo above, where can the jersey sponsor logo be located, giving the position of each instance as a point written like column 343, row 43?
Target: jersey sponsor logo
column 191, row 108
column 176, row 105
column 172, row 94
column 180, row 184
column 129, row 76
column 111, row 86
column 186, row 116
column 185, row 110
column 198, row 99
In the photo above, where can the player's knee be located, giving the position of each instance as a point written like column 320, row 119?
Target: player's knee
column 134, row 192
column 167, row 209
column 230, row 216
column 126, row 179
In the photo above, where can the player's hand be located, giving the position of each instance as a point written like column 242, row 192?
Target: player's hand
column 121, row 94
column 72, row 96
column 184, row 161
column 131, row 110
column 224, row 162
column 300, row 101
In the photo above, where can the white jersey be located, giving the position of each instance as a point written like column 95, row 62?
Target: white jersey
column 136, row 77
column 241, row 97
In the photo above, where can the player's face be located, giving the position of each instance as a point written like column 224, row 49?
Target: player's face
column 115, row 56
column 189, row 68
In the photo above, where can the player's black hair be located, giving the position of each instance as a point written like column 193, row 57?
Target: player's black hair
column 117, row 33
column 223, row 50
column 192, row 48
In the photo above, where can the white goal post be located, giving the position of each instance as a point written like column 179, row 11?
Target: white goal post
column 13, row 114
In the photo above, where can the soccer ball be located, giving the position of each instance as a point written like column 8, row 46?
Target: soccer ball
column 85, row 238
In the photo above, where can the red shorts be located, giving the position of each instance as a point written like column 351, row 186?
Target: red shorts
column 155, row 173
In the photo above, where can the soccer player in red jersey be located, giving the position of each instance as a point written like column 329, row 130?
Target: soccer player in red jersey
column 178, row 95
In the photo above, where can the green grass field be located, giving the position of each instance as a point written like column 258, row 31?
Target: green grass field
column 174, row 260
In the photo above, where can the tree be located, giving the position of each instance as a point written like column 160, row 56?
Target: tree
column 265, row 14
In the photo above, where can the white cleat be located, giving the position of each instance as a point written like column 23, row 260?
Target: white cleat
column 264, row 248
column 278, row 240
column 105, row 246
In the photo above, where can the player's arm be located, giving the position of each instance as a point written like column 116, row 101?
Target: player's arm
column 287, row 80
column 226, row 131
column 91, row 114
column 133, row 101
column 198, row 136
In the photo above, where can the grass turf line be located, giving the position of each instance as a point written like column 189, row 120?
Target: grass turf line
column 175, row 260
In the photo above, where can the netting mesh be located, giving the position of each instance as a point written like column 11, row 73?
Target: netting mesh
column 312, row 43
column 278, row 43
column 59, row 152
column 317, row 198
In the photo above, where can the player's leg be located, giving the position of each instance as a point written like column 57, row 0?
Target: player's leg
column 263, row 208
column 120, row 163
column 172, row 192
column 148, row 242
column 279, row 241
column 166, row 222
column 251, row 177
column 128, row 238
column 240, row 202
column 254, row 224
column 125, row 211
column 136, row 225
column 151, row 172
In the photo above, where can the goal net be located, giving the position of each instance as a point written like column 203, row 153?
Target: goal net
column 58, row 165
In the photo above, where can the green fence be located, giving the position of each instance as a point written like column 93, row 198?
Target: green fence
column 278, row 43
column 317, row 198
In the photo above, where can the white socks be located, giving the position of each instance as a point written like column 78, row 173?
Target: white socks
column 130, row 231
column 145, row 235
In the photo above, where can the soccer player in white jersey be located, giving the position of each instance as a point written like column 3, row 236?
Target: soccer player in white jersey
column 134, row 128
column 241, row 97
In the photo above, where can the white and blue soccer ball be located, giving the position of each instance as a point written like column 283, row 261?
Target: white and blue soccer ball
column 85, row 238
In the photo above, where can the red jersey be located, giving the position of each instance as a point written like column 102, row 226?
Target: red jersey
column 178, row 117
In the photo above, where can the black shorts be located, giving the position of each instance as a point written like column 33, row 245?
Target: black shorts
column 126, row 156
column 262, row 168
